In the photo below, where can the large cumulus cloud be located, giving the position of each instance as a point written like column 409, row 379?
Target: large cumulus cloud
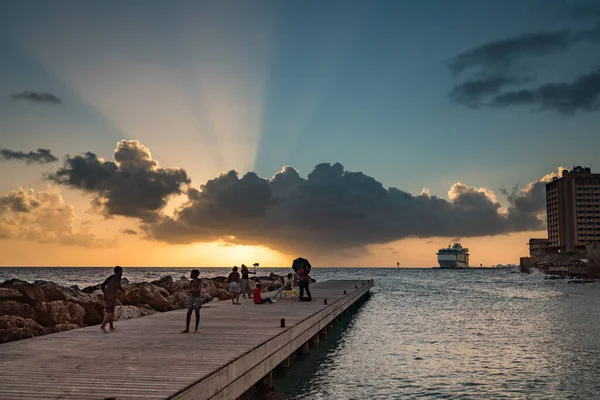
column 133, row 185
column 335, row 209
column 43, row 217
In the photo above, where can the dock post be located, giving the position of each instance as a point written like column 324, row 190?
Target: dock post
column 304, row 349
column 323, row 332
column 267, row 381
column 315, row 339
column 286, row 364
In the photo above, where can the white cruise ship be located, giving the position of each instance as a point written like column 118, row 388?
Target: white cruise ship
column 454, row 257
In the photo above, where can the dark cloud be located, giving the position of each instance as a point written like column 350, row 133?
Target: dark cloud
column 41, row 156
column 129, row 232
column 334, row 209
column 43, row 217
column 500, row 54
column 493, row 67
column 583, row 94
column 471, row 92
column 37, row 97
column 132, row 186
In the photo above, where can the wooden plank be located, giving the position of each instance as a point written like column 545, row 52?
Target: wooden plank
column 147, row 358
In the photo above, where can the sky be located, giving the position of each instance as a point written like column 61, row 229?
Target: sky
column 351, row 133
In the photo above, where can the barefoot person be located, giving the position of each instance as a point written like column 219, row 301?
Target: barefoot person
column 257, row 294
column 246, row 281
column 110, row 287
column 234, row 285
column 194, row 302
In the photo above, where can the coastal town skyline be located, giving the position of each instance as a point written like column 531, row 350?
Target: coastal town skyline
column 352, row 134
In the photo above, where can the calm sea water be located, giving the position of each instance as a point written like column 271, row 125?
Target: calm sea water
column 435, row 334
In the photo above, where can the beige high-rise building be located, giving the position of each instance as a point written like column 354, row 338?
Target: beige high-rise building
column 573, row 210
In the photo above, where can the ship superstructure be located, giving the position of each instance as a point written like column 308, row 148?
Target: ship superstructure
column 453, row 257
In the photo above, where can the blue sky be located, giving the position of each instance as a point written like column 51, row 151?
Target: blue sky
column 362, row 83
column 256, row 85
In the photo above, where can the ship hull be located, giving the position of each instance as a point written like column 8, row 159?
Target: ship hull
column 451, row 264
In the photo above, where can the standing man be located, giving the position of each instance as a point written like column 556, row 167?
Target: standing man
column 304, row 280
column 246, row 281
column 110, row 288
column 195, row 301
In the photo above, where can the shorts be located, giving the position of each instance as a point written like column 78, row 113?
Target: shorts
column 234, row 287
column 194, row 303
column 111, row 302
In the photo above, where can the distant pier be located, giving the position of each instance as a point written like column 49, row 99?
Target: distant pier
column 236, row 348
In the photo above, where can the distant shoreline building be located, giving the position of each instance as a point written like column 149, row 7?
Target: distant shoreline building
column 539, row 248
column 573, row 211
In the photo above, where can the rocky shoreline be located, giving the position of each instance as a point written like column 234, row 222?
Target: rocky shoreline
column 42, row 307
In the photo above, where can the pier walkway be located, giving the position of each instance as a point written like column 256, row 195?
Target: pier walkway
column 147, row 358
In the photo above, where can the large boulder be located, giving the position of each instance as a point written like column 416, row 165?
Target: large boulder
column 220, row 282
column 11, row 307
column 208, row 286
column 49, row 313
column 178, row 300
column 166, row 282
column 10, row 294
column 181, row 285
column 206, row 297
column 131, row 297
column 127, row 312
column 55, row 292
column 60, row 328
column 92, row 289
column 270, row 285
column 94, row 309
column 152, row 295
column 15, row 328
column 164, row 292
column 31, row 292
column 223, row 294
column 146, row 309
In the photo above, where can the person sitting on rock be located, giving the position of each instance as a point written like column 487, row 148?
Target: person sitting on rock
column 234, row 285
column 257, row 294
column 195, row 301
column 110, row 287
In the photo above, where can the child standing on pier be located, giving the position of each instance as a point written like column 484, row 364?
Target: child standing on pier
column 195, row 301
column 110, row 287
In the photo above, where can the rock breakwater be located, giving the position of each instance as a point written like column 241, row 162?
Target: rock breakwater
column 42, row 307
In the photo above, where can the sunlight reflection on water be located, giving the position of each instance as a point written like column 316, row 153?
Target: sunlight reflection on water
column 464, row 334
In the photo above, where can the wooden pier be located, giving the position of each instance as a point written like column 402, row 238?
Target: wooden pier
column 147, row 358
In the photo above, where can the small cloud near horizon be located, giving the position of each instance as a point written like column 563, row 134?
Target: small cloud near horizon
column 36, row 97
column 41, row 156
